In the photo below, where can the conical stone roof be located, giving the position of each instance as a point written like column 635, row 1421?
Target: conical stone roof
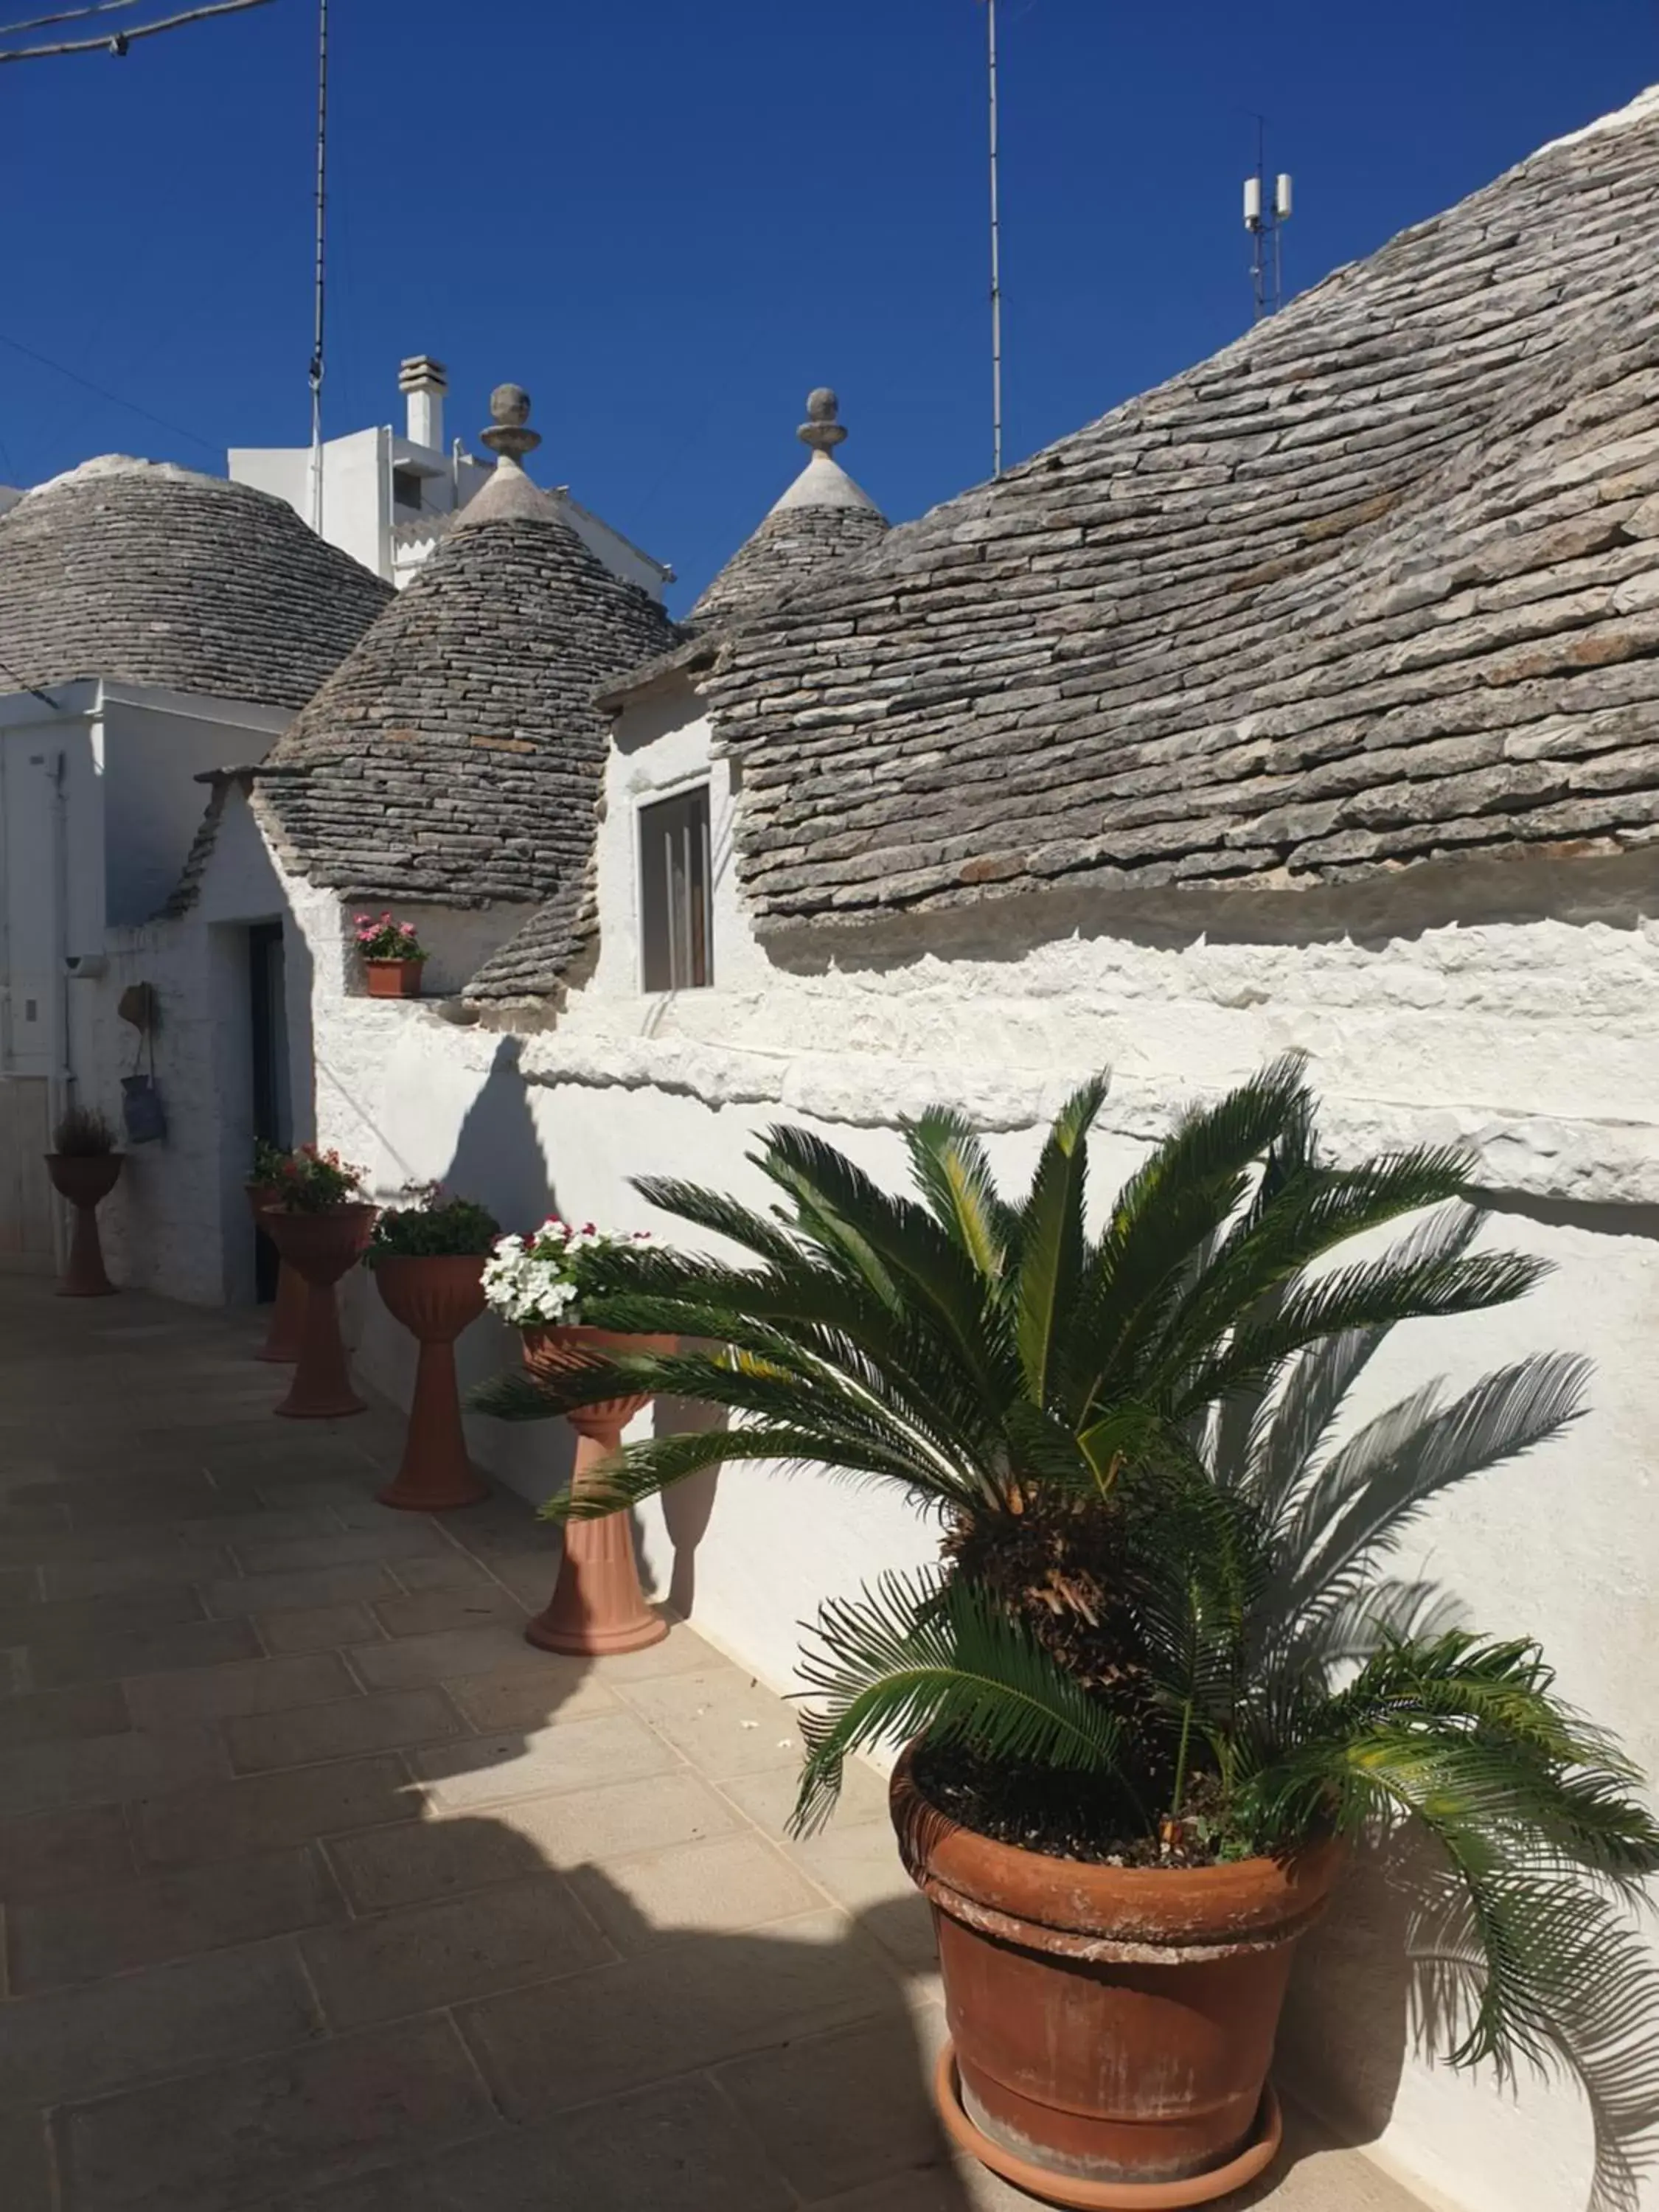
column 456, row 755
column 146, row 573
column 821, row 519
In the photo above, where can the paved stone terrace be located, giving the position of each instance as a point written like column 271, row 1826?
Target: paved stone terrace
column 324, row 1893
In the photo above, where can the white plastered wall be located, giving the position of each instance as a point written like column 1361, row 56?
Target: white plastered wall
column 1536, row 1042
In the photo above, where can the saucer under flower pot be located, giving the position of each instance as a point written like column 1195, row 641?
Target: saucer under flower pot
column 321, row 1246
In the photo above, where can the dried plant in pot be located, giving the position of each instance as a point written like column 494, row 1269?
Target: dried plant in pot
column 540, row 1283
column 392, row 956
column 84, row 1166
column 1161, row 1674
column 428, row 1259
column 319, row 1222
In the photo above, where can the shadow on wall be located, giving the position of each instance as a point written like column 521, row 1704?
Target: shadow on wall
column 688, row 1507
column 498, row 1159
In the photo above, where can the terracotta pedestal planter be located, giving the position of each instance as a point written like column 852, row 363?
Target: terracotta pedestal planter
column 85, row 1179
column 1111, row 2027
column 394, row 979
column 597, row 1604
column 435, row 1299
column 320, row 1247
column 287, row 1312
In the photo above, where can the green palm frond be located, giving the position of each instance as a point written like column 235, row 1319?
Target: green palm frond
column 1051, row 1242
column 913, row 1657
column 947, row 1158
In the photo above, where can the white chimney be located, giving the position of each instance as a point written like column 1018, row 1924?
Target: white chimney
column 424, row 381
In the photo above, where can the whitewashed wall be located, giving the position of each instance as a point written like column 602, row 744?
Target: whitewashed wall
column 1536, row 1042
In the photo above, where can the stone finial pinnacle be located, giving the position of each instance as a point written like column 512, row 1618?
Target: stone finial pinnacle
column 821, row 431
column 509, row 436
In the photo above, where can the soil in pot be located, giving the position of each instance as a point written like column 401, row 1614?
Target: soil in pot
column 85, row 1179
column 1112, row 2025
column 435, row 1297
column 598, row 1605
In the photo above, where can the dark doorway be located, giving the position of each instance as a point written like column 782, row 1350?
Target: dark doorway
column 269, row 1042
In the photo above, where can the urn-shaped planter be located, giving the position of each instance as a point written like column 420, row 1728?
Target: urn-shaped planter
column 85, row 1179
column 394, row 979
column 320, row 1247
column 1111, row 2027
column 435, row 1297
column 287, row 1312
column 598, row 1605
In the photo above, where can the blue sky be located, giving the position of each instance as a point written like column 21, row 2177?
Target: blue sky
column 668, row 218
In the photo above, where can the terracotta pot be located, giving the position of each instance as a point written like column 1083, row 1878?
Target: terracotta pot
column 287, row 1312
column 85, row 1179
column 598, row 1605
column 1112, row 2027
column 394, row 979
column 435, row 1299
column 320, row 1247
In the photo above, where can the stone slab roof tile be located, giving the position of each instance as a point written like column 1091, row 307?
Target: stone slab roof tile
column 1378, row 582
column 146, row 573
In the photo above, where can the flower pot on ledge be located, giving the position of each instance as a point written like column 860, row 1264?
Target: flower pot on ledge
column 598, row 1605
column 394, row 979
column 287, row 1312
column 436, row 1297
column 85, row 1179
column 320, row 1247
column 1111, row 2027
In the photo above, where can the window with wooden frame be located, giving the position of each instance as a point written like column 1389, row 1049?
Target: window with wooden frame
column 676, row 909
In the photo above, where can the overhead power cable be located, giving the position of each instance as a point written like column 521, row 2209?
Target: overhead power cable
column 103, row 393
column 117, row 42
column 64, row 15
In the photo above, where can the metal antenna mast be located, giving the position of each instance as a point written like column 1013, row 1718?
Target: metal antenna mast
column 1264, row 222
column 322, row 235
column 996, row 250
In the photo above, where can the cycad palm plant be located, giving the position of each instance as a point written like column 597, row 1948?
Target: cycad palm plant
column 1160, row 1630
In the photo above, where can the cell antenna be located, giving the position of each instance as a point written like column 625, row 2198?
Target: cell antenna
column 320, row 289
column 1265, row 219
column 996, row 247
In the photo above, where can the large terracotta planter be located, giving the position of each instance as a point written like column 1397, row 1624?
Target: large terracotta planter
column 435, row 1299
column 320, row 1247
column 85, row 1179
column 598, row 1605
column 1111, row 2027
column 287, row 1312
column 394, row 979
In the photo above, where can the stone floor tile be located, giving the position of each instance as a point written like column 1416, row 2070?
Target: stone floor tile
column 253, row 2131
column 242, row 1522
column 317, row 1628
column 402, row 1538
column 682, row 1651
column 160, row 1605
column 731, row 1883
column 26, row 2161
column 453, row 1570
column 264, row 1812
column 949, row 2186
column 54, row 1854
column 142, row 1920
column 678, row 2148
column 414, row 1660
column 402, row 1865
column 89, row 1709
column 768, row 1799
column 262, row 1685
column 90, row 1578
column 21, row 1523
column 104, row 1770
column 428, row 1613
column 860, row 1866
column 532, row 1692
column 571, row 1755
column 433, row 1956
column 228, row 2004
column 303, row 1589
column 800, row 2097
column 19, row 1586
column 344, row 1729
column 725, row 1723
column 109, row 1656
column 670, row 2011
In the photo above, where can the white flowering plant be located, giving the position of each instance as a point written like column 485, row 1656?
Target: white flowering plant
column 537, row 1281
